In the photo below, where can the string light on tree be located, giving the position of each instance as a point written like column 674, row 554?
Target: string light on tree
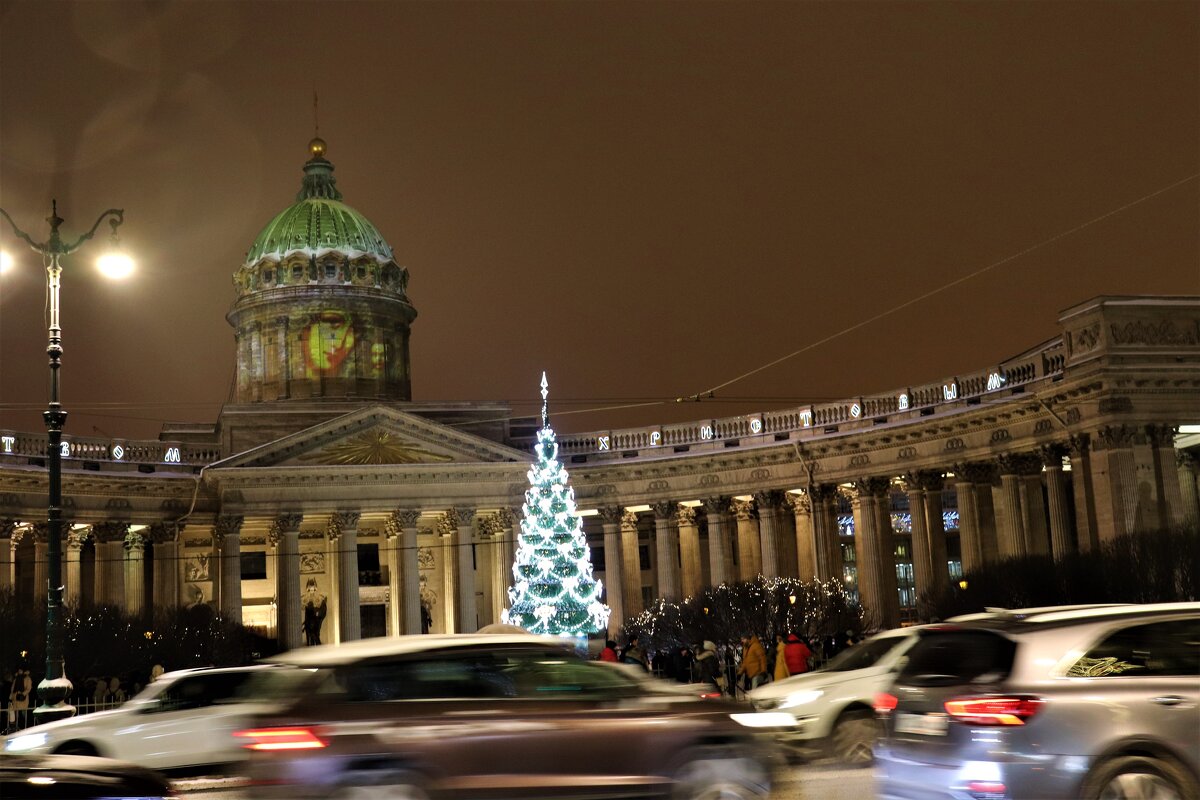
column 553, row 589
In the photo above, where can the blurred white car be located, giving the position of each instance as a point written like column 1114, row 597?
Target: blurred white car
column 833, row 706
column 183, row 720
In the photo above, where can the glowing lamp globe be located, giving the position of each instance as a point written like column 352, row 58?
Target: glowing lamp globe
column 6, row 261
column 115, row 265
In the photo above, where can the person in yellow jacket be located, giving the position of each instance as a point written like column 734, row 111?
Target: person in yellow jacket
column 781, row 667
column 754, row 661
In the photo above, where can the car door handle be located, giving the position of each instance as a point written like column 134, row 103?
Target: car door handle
column 1168, row 700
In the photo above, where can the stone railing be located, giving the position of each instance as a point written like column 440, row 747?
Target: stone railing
column 821, row 419
column 79, row 451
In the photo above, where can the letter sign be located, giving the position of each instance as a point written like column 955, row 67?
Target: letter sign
column 118, row 452
column 995, row 381
column 902, row 401
column 756, row 425
column 603, row 443
column 172, row 455
column 64, row 449
column 950, row 390
column 8, row 442
column 856, row 411
column 655, row 438
column 706, row 432
column 806, row 418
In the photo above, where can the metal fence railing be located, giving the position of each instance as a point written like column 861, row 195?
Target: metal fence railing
column 15, row 719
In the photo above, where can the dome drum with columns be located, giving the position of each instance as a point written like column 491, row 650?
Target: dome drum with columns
column 323, row 480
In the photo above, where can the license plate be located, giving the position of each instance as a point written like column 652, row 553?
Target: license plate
column 924, row 724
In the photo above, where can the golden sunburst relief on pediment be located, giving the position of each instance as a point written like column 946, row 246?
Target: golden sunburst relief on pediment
column 375, row 447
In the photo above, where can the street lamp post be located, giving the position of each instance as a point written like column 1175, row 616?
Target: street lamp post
column 55, row 688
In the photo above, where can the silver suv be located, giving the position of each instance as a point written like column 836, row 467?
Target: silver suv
column 1096, row 703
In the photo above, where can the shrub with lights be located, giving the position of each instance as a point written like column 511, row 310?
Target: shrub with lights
column 553, row 590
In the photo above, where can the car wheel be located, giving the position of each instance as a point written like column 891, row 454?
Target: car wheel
column 76, row 749
column 853, row 740
column 1140, row 778
column 721, row 779
column 404, row 786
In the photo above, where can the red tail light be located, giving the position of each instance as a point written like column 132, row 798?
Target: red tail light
column 281, row 739
column 710, row 695
column 885, row 703
column 993, row 710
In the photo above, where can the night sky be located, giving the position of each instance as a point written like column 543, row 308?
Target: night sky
column 644, row 199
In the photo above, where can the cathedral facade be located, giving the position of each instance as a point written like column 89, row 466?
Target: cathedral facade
column 325, row 505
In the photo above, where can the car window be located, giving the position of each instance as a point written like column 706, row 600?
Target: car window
column 199, row 691
column 443, row 677
column 276, row 683
column 1156, row 649
column 948, row 658
column 569, row 678
column 863, row 655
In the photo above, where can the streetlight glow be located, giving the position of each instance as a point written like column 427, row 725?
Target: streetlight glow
column 6, row 261
column 115, row 265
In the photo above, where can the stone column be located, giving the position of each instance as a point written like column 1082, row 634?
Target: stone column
column 1114, row 477
column 1086, row 531
column 887, row 549
column 447, row 558
column 632, row 560
column 509, row 527
column 689, row 550
column 76, row 538
column 969, row 539
column 1062, row 537
column 749, row 553
column 228, row 531
column 135, row 573
column 768, row 535
column 343, row 535
column 826, row 533
column 1033, row 507
column 1187, row 466
column 404, row 580
column 110, row 562
column 871, row 592
column 610, row 521
column 1011, row 534
column 987, row 490
column 283, row 342
column 1167, row 490
column 806, row 544
column 720, row 547
column 7, row 563
column 463, row 520
column 922, row 559
column 289, row 618
column 41, row 560
column 667, row 550
column 166, row 565
column 935, row 526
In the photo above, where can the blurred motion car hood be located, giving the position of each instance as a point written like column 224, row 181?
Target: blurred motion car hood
column 777, row 690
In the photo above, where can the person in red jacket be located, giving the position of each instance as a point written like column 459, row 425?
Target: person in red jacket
column 796, row 653
column 609, row 653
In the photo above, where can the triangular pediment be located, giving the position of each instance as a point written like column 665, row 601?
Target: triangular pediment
column 375, row 436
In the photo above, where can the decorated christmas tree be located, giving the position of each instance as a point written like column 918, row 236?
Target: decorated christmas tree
column 554, row 591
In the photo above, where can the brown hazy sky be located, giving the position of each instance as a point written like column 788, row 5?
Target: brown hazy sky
column 645, row 199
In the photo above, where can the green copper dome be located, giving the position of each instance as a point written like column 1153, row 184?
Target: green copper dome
column 319, row 220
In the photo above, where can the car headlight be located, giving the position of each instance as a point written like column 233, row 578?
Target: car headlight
column 26, row 742
column 765, row 719
column 800, row 698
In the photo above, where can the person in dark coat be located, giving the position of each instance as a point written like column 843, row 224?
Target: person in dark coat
column 708, row 666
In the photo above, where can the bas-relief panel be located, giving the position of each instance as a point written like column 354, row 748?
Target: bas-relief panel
column 196, row 567
column 312, row 562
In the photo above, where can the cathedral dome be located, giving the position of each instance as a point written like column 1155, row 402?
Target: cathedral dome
column 319, row 221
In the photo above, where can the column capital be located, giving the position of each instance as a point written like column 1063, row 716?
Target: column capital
column 228, row 524
column 1188, row 458
column 664, row 509
column 345, row 519
column 509, row 517
column 287, row 523
column 1161, row 435
column 1052, row 454
column 134, row 541
column 744, row 510
column 823, row 492
column 685, row 516
column 1116, row 437
column 611, row 515
column 400, row 519
column 629, row 521
column 7, row 526
column 444, row 527
column 109, row 531
column 76, row 537
column 461, row 517
column 876, row 487
column 163, row 533
column 981, row 474
column 1019, row 463
column 489, row 526
column 716, row 505
column 799, row 503
column 768, row 498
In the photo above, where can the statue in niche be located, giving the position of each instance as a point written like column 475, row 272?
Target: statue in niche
column 315, row 605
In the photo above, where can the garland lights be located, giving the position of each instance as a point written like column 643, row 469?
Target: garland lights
column 554, row 591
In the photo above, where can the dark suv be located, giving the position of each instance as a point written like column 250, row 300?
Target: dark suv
column 1097, row 703
column 492, row 716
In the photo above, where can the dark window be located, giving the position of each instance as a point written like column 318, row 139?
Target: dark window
column 597, row 558
column 1157, row 649
column 254, row 566
column 372, row 621
column 369, row 572
column 644, row 556
column 949, row 658
column 267, row 275
column 569, row 679
column 199, row 691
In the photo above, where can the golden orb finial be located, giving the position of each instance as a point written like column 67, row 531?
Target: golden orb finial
column 317, row 147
